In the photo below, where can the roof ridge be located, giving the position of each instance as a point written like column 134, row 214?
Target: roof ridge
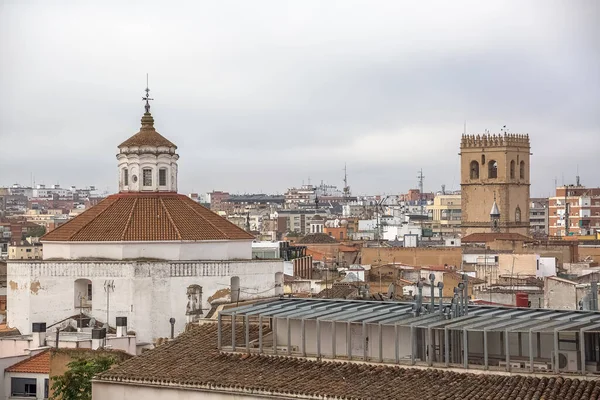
column 206, row 219
column 162, row 203
column 129, row 218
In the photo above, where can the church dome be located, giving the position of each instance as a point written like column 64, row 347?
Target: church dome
column 135, row 217
column 147, row 136
column 148, row 218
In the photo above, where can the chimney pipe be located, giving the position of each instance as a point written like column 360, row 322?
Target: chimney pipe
column 419, row 297
column 461, row 294
column 98, row 338
column 57, row 336
column 594, row 290
column 172, row 322
column 121, row 326
column 466, row 282
column 38, row 334
column 432, row 300
column 440, row 286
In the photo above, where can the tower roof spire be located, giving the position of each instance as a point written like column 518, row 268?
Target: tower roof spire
column 147, row 97
column 495, row 212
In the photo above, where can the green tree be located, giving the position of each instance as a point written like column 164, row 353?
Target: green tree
column 37, row 231
column 76, row 382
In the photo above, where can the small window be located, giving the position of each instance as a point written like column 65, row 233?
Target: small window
column 28, row 250
column 162, row 177
column 512, row 169
column 46, row 388
column 483, row 159
column 89, row 291
column 492, row 169
column 518, row 214
column 23, row 387
column 147, row 177
column 126, row 177
column 522, row 170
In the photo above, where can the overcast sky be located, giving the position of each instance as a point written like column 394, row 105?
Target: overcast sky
column 262, row 95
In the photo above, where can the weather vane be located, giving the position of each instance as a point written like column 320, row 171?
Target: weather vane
column 147, row 98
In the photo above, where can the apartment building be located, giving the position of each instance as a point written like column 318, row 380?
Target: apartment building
column 446, row 214
column 583, row 211
column 538, row 216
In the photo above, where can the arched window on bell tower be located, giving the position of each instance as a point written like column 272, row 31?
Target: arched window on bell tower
column 512, row 169
column 518, row 214
column 492, row 169
column 474, row 168
column 522, row 170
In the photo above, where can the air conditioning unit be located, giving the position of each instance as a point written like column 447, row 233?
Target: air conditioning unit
column 567, row 360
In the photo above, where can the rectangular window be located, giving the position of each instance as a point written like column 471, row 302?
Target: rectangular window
column 89, row 291
column 147, row 177
column 46, row 388
column 23, row 387
column 126, row 177
column 28, row 250
column 162, row 177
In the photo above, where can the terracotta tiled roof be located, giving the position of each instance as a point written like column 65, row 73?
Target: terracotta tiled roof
column 147, row 217
column 38, row 364
column 490, row 237
column 147, row 136
column 317, row 238
column 192, row 360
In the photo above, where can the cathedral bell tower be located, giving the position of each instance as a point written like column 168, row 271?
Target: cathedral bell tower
column 495, row 176
column 147, row 160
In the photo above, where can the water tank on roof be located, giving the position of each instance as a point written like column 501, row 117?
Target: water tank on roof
column 522, row 299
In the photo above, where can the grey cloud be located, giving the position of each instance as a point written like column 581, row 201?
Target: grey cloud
column 263, row 95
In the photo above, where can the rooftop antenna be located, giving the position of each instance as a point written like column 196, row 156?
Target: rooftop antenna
column 421, row 177
column 147, row 97
column 577, row 176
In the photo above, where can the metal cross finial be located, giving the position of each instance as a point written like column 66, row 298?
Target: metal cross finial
column 147, row 98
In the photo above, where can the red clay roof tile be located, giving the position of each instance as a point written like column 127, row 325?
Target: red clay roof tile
column 38, row 364
column 192, row 360
column 147, row 217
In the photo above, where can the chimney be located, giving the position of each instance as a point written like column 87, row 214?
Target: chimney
column 121, row 326
column 38, row 332
column 98, row 338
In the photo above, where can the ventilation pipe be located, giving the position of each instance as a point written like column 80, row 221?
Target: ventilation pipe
column 594, row 297
column 454, row 305
column 432, row 300
column 461, row 294
column 172, row 322
column 440, row 286
column 419, row 297
column 466, row 283
column 38, row 334
column 121, row 326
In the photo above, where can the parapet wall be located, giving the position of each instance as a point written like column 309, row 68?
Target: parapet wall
column 489, row 140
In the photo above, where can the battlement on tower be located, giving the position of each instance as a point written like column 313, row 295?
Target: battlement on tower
column 489, row 140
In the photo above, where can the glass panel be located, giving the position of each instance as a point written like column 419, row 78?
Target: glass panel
column 147, row 177
column 23, row 387
column 162, row 177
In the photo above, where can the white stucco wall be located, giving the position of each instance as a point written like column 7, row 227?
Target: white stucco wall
column 147, row 293
column 120, row 391
column 178, row 250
